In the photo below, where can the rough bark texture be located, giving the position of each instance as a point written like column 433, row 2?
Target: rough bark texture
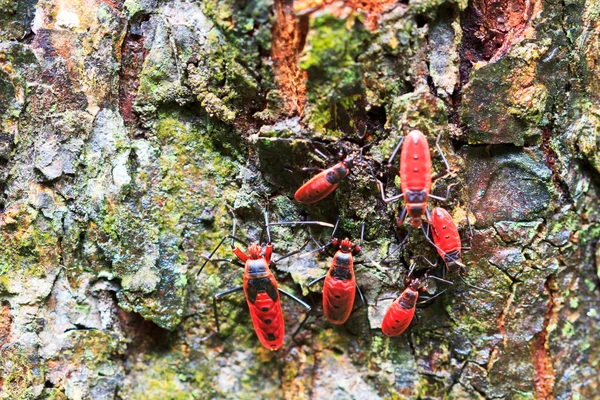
column 130, row 128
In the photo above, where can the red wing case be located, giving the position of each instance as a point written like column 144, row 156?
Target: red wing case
column 415, row 163
column 267, row 317
column 316, row 189
column 339, row 289
column 400, row 314
column 322, row 184
column 445, row 233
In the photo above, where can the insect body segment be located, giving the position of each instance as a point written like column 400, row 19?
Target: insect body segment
column 260, row 288
column 400, row 314
column 446, row 238
column 339, row 288
column 324, row 183
column 262, row 296
column 415, row 176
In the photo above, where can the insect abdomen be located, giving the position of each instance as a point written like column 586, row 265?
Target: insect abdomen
column 321, row 185
column 263, row 300
column 415, row 163
column 339, row 289
column 400, row 314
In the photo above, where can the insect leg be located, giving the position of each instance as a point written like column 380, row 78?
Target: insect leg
column 402, row 243
column 427, row 299
column 297, row 300
column 209, row 257
column 439, row 279
column 303, row 304
column 447, row 193
column 362, row 300
column 382, row 193
column 433, row 265
column 215, row 308
column 292, row 252
column 477, row 287
column 311, row 169
column 395, row 152
column 227, row 260
column 233, row 239
column 300, row 328
column 385, row 298
column 316, row 280
column 469, row 233
column 447, row 171
column 357, row 248
column 402, row 216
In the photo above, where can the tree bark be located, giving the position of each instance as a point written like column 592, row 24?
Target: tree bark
column 132, row 130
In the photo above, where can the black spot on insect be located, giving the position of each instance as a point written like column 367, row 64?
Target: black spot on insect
column 264, row 309
column 271, row 336
column 337, row 296
column 336, row 307
column 268, row 321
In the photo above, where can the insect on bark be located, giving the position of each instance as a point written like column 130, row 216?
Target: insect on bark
column 402, row 311
column 339, row 286
column 324, row 183
column 260, row 288
column 448, row 244
column 415, row 177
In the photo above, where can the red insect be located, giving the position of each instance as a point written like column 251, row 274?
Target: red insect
column 415, row 176
column 448, row 244
column 446, row 239
column 339, row 287
column 324, row 183
column 400, row 314
column 260, row 288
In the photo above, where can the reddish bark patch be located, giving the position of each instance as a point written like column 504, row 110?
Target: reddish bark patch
column 550, row 160
column 490, row 28
column 5, row 323
column 542, row 360
column 289, row 35
column 371, row 8
column 115, row 4
column 133, row 55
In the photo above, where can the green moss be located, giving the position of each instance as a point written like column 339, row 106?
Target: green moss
column 20, row 372
column 500, row 105
column 31, row 245
column 174, row 376
column 225, row 79
column 334, row 76
column 568, row 330
column 573, row 302
column 176, row 180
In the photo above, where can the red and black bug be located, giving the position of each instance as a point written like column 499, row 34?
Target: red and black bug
column 448, row 243
column 401, row 312
column 339, row 286
column 446, row 239
column 415, row 177
column 260, row 288
column 324, row 183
